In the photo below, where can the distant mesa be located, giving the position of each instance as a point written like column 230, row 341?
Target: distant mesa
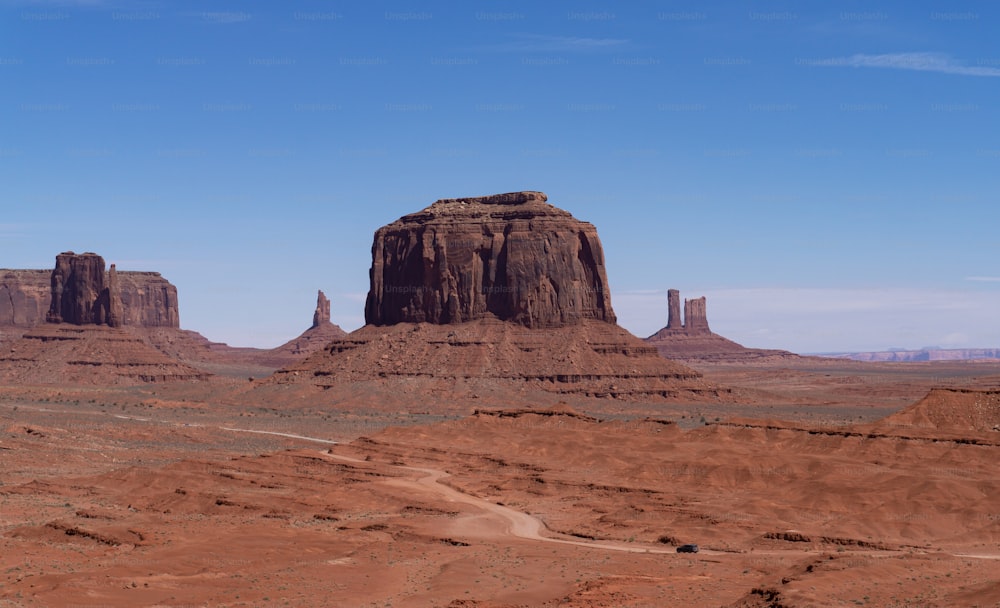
column 94, row 326
column 924, row 354
column 491, row 296
column 80, row 291
column 690, row 339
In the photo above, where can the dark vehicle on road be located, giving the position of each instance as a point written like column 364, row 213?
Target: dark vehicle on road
column 687, row 549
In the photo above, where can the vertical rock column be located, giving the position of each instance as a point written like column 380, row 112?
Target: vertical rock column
column 114, row 300
column 77, row 287
column 674, row 320
column 322, row 314
column 695, row 317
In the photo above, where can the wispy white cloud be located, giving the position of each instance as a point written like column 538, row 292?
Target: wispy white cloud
column 984, row 279
column 539, row 43
column 921, row 62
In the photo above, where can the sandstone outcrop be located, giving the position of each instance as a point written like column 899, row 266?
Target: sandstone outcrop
column 322, row 314
column 511, row 256
column 68, row 354
column 499, row 295
column 145, row 299
column 98, row 325
column 78, row 292
column 690, row 339
column 674, row 319
column 233, row 361
column 311, row 340
column 24, row 297
column 695, row 316
column 948, row 413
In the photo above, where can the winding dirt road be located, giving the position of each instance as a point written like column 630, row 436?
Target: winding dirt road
column 510, row 522
column 498, row 521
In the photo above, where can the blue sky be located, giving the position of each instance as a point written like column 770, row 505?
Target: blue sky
column 826, row 173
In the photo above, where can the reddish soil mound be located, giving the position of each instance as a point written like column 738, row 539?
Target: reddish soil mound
column 593, row 358
column 198, row 351
column 310, row 341
column 950, row 410
column 711, row 347
column 170, row 506
column 88, row 354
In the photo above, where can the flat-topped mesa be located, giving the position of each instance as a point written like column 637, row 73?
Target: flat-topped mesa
column 512, row 257
column 321, row 316
column 83, row 293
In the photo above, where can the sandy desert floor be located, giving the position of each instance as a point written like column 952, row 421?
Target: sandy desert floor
column 162, row 496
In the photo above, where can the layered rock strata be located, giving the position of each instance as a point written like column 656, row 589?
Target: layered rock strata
column 511, row 256
column 496, row 294
column 145, row 299
column 67, row 354
column 97, row 329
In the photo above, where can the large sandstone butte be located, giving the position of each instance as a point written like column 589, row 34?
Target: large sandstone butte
column 146, row 299
column 511, row 256
column 95, row 326
column 494, row 296
column 690, row 339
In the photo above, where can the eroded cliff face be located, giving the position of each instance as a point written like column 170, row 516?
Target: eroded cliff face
column 500, row 296
column 79, row 291
column 24, row 297
column 77, row 286
column 148, row 300
column 512, row 257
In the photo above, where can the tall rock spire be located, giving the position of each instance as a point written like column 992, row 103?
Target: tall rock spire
column 322, row 314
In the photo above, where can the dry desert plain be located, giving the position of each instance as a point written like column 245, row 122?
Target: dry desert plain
column 821, row 483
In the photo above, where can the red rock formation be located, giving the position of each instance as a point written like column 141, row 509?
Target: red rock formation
column 77, row 286
column 24, row 297
column 146, row 299
column 501, row 295
column 86, row 340
column 693, row 341
column 322, row 314
column 312, row 340
column 511, row 256
column 695, row 316
column 674, row 320
column 90, row 354
column 114, row 299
